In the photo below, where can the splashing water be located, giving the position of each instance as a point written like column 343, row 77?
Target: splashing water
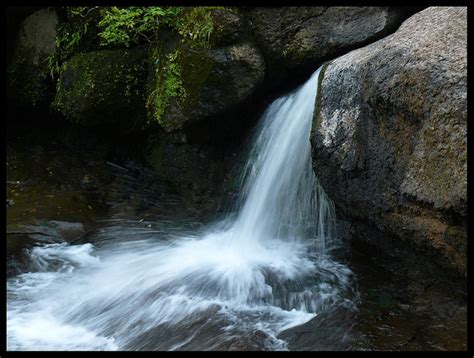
column 265, row 268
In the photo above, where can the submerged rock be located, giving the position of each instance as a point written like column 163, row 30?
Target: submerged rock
column 389, row 133
column 330, row 330
column 55, row 230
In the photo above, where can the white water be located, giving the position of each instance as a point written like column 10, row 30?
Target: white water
column 266, row 268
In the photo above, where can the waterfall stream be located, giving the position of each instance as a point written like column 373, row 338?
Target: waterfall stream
column 265, row 268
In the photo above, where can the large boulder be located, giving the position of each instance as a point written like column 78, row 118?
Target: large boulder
column 28, row 75
column 100, row 88
column 15, row 16
column 188, row 84
column 297, row 39
column 389, row 133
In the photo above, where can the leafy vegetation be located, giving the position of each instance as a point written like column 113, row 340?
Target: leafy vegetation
column 169, row 84
column 125, row 26
column 196, row 24
column 92, row 28
column 128, row 26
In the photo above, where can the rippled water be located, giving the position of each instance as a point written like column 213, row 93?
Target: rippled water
column 263, row 269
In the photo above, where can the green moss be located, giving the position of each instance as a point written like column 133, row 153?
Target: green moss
column 177, row 76
column 197, row 69
column 196, row 25
column 102, row 87
column 167, row 82
column 170, row 81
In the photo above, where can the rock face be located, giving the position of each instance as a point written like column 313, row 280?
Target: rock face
column 389, row 134
column 228, row 28
column 104, row 87
column 300, row 38
column 196, row 171
column 184, row 83
column 28, row 82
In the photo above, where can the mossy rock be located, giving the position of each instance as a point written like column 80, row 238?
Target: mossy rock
column 104, row 87
column 188, row 84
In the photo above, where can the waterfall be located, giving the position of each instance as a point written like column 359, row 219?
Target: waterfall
column 281, row 197
column 265, row 268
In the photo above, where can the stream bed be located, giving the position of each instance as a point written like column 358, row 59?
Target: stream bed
column 104, row 256
column 395, row 309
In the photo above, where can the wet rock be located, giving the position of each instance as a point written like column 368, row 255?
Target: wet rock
column 63, row 229
column 16, row 254
column 406, row 301
column 389, row 133
column 50, row 231
column 331, row 330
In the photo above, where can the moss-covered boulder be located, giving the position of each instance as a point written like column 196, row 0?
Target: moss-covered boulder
column 104, row 87
column 390, row 136
column 188, row 84
column 28, row 75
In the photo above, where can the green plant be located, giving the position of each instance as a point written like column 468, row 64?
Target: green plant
column 70, row 35
column 168, row 85
column 196, row 24
column 125, row 26
column 86, row 27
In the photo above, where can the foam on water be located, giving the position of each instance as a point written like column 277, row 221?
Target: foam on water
column 267, row 267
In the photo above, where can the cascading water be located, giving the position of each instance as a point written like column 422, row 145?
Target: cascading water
column 264, row 269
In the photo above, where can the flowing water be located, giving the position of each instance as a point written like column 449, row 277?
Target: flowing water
column 263, row 269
